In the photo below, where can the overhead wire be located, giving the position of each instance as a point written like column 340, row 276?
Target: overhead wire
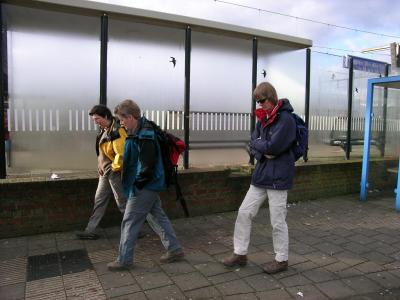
column 348, row 50
column 308, row 20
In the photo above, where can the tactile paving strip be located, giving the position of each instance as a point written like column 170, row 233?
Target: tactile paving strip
column 84, row 285
column 60, row 295
column 12, row 271
column 36, row 288
column 102, row 256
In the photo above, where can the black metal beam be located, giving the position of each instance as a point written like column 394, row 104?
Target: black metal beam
column 253, row 86
column 349, row 108
column 307, row 95
column 384, row 115
column 103, row 59
column 3, row 95
column 188, row 49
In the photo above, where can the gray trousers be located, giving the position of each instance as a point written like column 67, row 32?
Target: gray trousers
column 110, row 186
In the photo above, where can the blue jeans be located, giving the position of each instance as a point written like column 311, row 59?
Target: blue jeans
column 138, row 206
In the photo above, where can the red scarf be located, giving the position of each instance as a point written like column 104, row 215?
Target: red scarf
column 267, row 117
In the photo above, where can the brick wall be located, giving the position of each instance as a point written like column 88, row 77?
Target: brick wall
column 46, row 206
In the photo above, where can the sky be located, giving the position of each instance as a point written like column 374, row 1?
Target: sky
column 368, row 15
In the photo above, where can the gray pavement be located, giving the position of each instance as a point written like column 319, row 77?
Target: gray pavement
column 339, row 249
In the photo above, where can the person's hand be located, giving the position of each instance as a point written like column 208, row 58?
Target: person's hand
column 139, row 185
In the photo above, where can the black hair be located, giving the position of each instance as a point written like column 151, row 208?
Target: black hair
column 101, row 110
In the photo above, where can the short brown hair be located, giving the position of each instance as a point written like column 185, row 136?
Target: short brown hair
column 265, row 90
column 126, row 108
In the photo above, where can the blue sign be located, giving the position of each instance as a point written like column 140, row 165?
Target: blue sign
column 365, row 64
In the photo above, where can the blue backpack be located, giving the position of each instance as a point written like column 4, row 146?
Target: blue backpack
column 300, row 145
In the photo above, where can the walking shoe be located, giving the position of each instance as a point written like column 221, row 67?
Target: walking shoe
column 172, row 256
column 116, row 266
column 235, row 260
column 276, row 267
column 86, row 235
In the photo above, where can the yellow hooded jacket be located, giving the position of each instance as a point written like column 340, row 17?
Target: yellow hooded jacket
column 113, row 145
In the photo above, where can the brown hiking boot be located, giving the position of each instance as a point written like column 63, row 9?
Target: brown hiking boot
column 172, row 256
column 235, row 260
column 276, row 267
column 117, row 266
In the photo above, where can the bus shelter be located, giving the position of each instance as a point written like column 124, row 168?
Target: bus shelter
column 389, row 89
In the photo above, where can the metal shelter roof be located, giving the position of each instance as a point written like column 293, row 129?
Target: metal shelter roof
column 173, row 20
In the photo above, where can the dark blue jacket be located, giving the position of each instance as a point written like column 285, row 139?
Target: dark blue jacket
column 142, row 167
column 275, row 140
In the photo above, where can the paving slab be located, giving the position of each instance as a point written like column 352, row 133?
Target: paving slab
column 339, row 249
column 167, row 292
column 335, row 289
column 153, row 280
column 13, row 291
column 122, row 290
column 208, row 292
column 362, row 284
column 263, row 282
column 309, row 292
column 190, row 281
column 235, row 287
column 280, row 294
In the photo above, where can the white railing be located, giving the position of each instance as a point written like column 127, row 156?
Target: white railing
column 79, row 120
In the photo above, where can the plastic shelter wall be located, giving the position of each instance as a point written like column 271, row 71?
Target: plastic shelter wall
column 53, row 69
column 285, row 68
column 220, row 97
column 140, row 65
column 53, row 75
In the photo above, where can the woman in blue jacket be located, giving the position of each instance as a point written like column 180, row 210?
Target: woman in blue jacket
column 271, row 144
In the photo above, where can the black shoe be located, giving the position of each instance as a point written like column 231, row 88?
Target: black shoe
column 85, row 235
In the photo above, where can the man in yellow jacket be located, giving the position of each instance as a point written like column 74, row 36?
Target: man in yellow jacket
column 109, row 148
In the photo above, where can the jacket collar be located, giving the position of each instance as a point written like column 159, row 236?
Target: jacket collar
column 267, row 117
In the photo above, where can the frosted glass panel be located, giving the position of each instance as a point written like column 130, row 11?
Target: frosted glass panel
column 221, row 73
column 220, row 99
column 140, row 66
column 53, row 66
column 285, row 68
